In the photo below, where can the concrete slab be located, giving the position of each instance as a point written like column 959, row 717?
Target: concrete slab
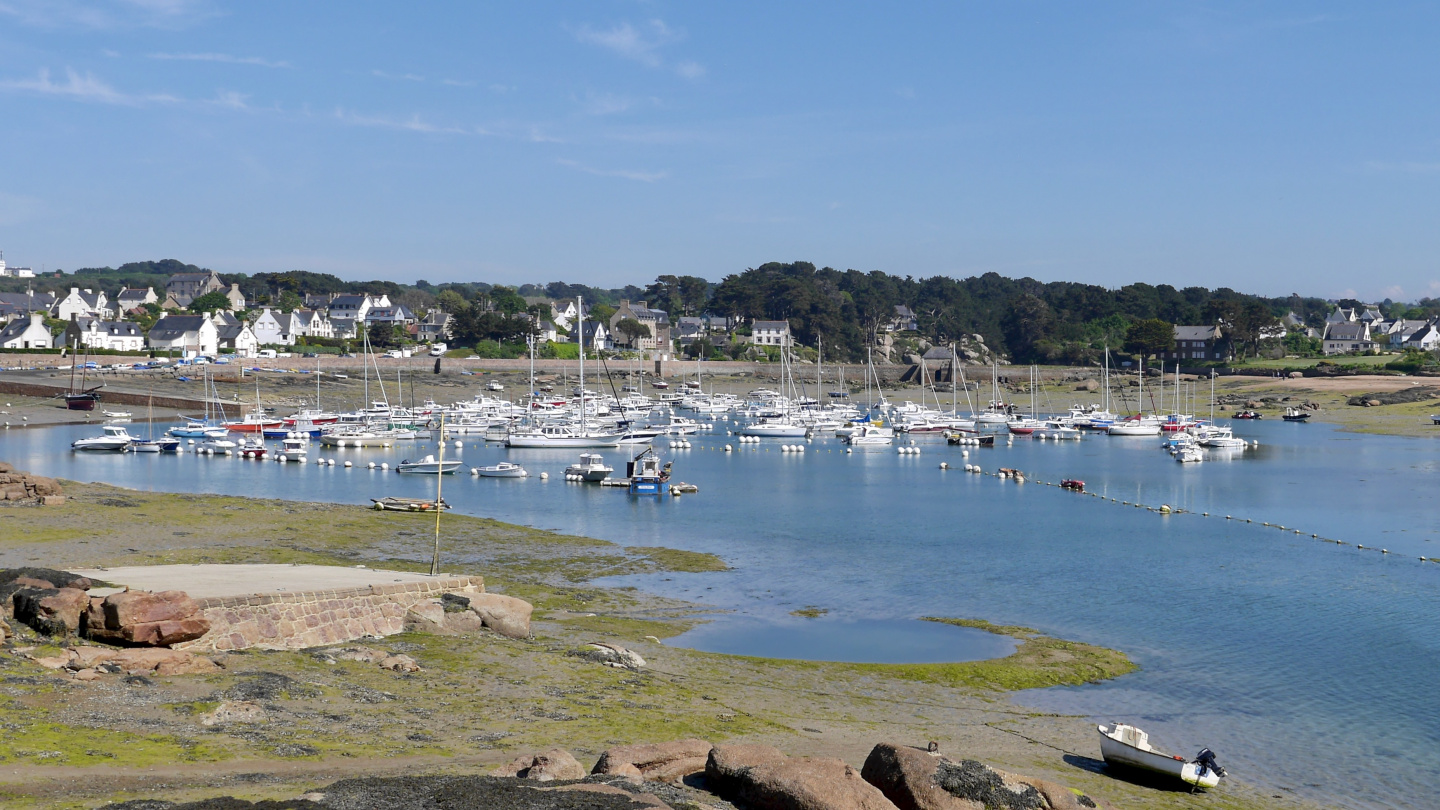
column 215, row 580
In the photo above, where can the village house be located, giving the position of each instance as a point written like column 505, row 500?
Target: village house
column 434, row 327
column 318, row 300
column 91, row 303
column 234, row 334
column 275, row 328
column 1197, row 343
column 1425, row 338
column 236, row 298
column 120, row 336
column 313, row 323
column 904, row 320
column 27, row 333
column 689, row 329
column 14, row 272
column 770, row 333
column 354, row 307
column 398, row 315
column 182, row 288
column 1346, row 337
column 186, row 334
column 595, row 336
column 658, row 320
column 133, row 298
column 13, row 305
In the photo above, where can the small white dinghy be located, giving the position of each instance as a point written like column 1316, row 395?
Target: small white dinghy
column 428, row 466
column 1128, row 746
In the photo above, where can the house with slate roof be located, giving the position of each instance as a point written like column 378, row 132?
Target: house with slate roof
column 120, row 336
column 27, row 333
column 182, row 288
column 185, row 334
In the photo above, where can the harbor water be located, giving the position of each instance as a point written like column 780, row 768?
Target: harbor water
column 1308, row 666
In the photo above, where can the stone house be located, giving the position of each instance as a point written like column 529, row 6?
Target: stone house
column 26, row 302
column 904, row 320
column 95, row 333
column 657, row 319
column 187, row 334
column 237, row 298
column 182, row 288
column 1197, row 343
column 434, row 327
column 27, row 333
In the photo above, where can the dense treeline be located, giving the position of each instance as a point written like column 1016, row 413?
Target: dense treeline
column 1028, row 320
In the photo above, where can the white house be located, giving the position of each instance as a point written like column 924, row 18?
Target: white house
column 1425, row 338
column 595, row 336
column 355, row 307
column 275, row 328
column 27, row 333
column 121, row 336
column 134, row 298
column 86, row 303
column 313, row 323
column 14, row 272
column 188, row 334
column 236, row 335
column 1344, row 337
column 770, row 333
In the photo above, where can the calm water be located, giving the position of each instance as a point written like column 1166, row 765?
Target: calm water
column 1269, row 647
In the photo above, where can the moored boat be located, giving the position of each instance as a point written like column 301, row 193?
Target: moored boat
column 113, row 439
column 406, row 505
column 591, row 469
column 428, row 466
column 504, row 469
column 1128, row 746
column 1295, row 415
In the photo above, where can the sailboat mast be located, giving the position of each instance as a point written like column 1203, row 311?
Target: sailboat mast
column 580, row 304
column 439, row 478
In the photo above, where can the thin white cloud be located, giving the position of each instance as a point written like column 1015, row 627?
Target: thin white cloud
column 408, row 77
column 456, row 83
column 501, row 89
column 627, row 174
column 606, row 104
column 221, row 57
column 231, row 100
column 92, row 14
column 81, row 87
column 412, row 124
column 640, row 44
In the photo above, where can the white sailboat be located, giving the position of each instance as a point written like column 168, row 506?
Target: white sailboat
column 566, row 435
column 1139, row 424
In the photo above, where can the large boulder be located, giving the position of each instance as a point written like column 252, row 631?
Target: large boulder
column 52, row 611
column 760, row 777
column 145, row 619
column 611, row 655
column 917, row 780
column 141, row 660
column 505, row 615
column 657, row 762
column 546, row 766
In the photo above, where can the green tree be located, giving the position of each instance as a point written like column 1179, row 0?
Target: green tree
column 1150, row 336
column 289, row 301
column 210, row 302
column 451, row 302
column 632, row 330
column 600, row 312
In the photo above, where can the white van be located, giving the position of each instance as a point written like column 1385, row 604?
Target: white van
column 268, row 354
column 438, row 350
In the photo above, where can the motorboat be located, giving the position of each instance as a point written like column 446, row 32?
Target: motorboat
column 294, row 448
column 117, row 414
column 867, row 434
column 504, row 469
column 1222, row 438
column 1189, row 454
column 196, row 429
column 1129, row 747
column 1247, row 414
column 1295, row 415
column 494, row 385
column 1057, row 429
column 591, row 469
column 113, row 439
column 214, row 445
column 428, row 466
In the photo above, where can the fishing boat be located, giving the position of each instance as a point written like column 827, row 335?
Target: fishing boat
column 406, row 505
column 504, row 469
column 1295, row 415
column 428, row 466
column 252, row 447
column 1129, row 747
column 294, row 448
column 591, row 469
column 647, row 475
column 113, row 439
column 1248, row 415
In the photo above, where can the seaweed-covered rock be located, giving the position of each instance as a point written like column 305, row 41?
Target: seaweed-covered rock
column 546, row 766
column 52, row 611
column 603, row 652
column 918, row 780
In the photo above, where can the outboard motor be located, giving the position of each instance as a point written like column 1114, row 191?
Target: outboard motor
column 1206, row 760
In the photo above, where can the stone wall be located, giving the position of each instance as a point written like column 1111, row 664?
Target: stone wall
column 294, row 621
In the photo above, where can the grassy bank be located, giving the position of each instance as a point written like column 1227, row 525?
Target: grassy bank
column 480, row 699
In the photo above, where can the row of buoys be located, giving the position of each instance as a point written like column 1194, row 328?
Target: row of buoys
column 382, row 465
column 748, row 439
column 973, row 468
column 679, row 444
column 792, row 448
column 574, row 477
column 908, row 451
column 968, row 441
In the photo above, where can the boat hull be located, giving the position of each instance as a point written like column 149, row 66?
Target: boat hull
column 541, row 442
column 1124, row 755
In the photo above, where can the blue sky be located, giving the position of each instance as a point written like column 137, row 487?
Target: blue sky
column 1271, row 147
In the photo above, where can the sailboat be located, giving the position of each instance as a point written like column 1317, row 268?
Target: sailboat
column 562, row 435
column 81, row 399
column 164, row 444
column 207, row 428
column 780, row 426
column 1139, row 424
